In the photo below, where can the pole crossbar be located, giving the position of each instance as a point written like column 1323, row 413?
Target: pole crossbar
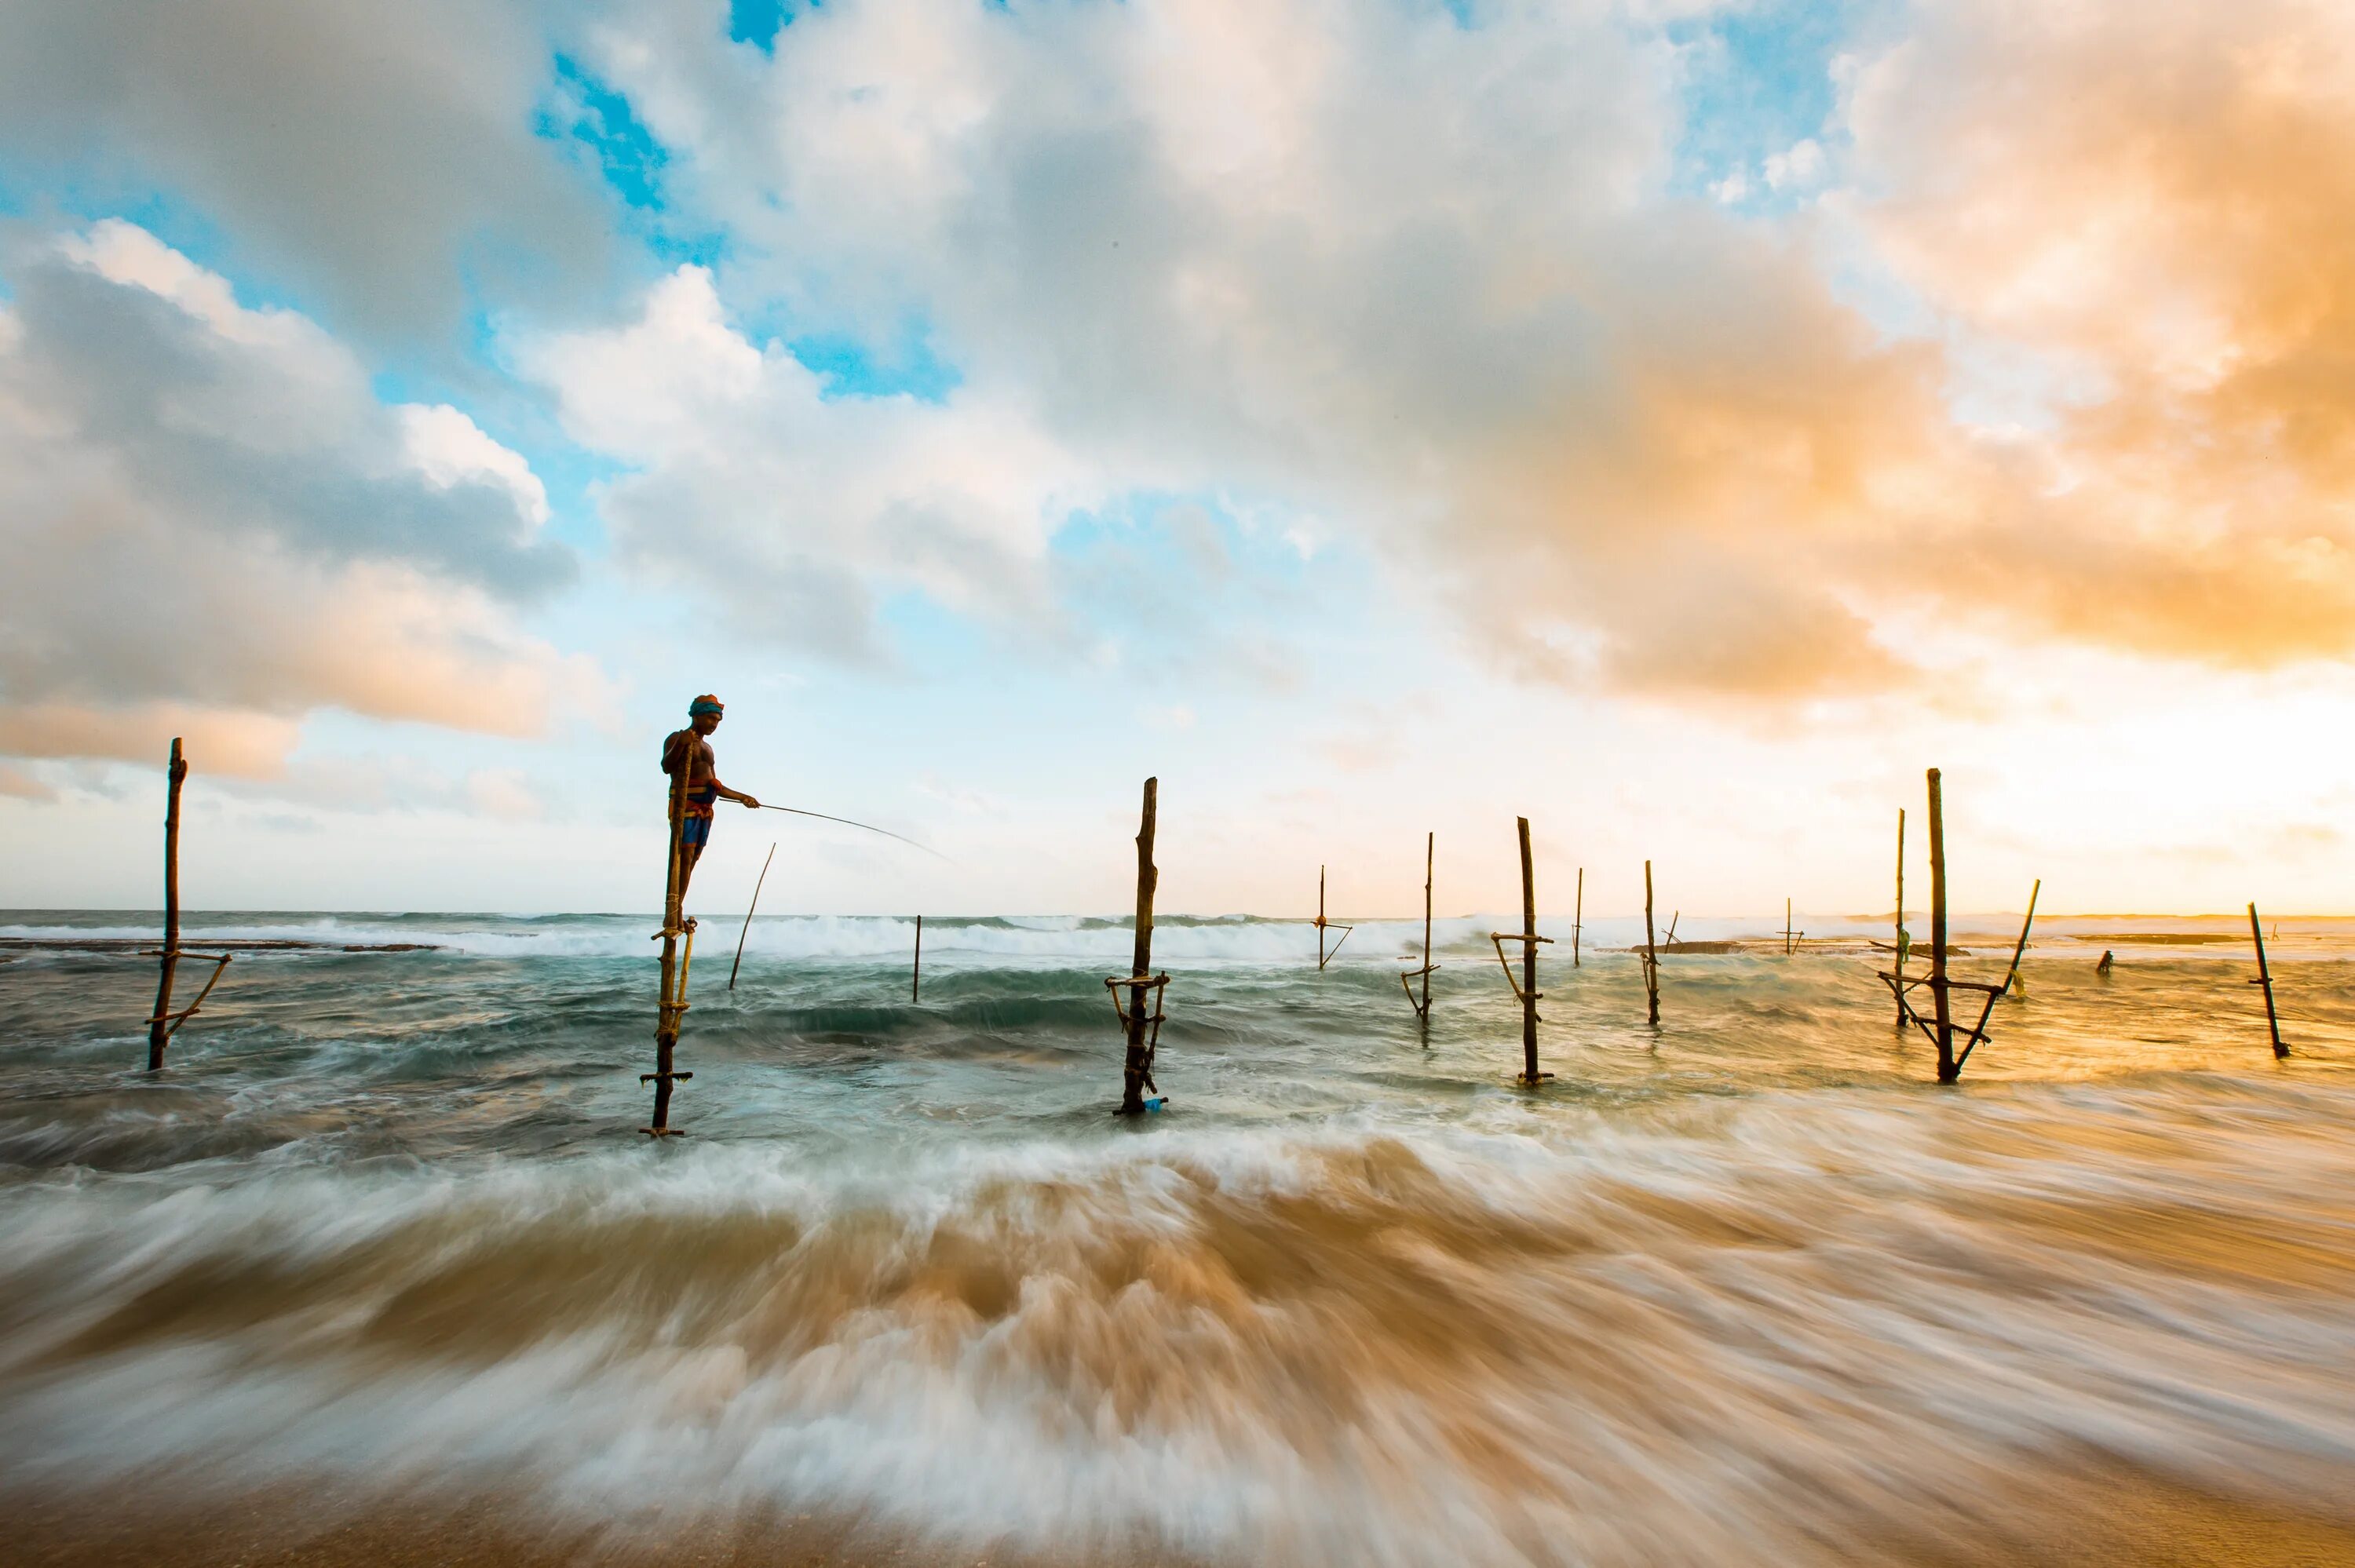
column 1497, row 939
column 219, row 962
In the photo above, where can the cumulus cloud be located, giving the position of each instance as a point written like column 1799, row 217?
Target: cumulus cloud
column 1420, row 280
column 791, row 509
column 381, row 155
column 214, row 527
column 2137, row 214
column 1435, row 285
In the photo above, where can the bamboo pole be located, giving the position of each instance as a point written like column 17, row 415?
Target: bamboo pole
column 1430, row 844
column 159, row 1027
column 1323, row 958
column 916, row 969
column 2265, row 981
column 1786, row 928
column 747, row 915
column 672, row 1006
column 2010, row 979
column 1577, row 917
column 1530, row 1073
column 1143, row 986
column 1651, row 955
column 1949, row 1070
column 1423, row 1008
column 1905, row 1013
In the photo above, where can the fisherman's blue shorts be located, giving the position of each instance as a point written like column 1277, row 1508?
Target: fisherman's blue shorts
column 695, row 831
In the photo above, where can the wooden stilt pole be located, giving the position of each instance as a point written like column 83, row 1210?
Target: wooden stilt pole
column 1905, row 1013
column 1430, row 844
column 1142, row 1018
column 159, row 1026
column 1530, row 941
column 1323, row 958
column 1423, row 1008
column 1525, row 990
column 1941, row 1009
column 1651, row 955
column 164, row 1022
column 672, row 1009
column 747, row 915
column 1787, row 933
column 916, row 969
column 1578, row 918
column 2264, row 981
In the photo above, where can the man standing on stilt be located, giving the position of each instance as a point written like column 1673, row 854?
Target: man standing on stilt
column 691, row 749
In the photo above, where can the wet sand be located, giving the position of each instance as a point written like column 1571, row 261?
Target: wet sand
column 2099, row 1516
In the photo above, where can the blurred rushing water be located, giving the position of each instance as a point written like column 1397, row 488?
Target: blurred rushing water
column 1729, row 1290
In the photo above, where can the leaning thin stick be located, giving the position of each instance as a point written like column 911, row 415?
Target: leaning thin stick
column 748, row 917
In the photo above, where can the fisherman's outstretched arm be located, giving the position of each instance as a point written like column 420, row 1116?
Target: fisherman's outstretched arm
column 737, row 795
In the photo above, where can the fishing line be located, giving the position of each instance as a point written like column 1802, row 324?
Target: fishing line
column 870, row 827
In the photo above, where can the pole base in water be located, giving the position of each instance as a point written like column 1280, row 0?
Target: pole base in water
column 1528, row 1082
column 664, row 1131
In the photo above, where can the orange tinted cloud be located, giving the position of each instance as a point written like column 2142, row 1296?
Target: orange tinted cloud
column 2147, row 207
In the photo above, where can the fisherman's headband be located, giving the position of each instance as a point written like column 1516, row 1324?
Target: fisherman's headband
column 707, row 703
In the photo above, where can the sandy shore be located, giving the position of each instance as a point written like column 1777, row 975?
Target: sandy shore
column 2107, row 1519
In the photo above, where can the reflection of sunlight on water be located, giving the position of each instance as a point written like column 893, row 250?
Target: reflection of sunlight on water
column 1744, row 1290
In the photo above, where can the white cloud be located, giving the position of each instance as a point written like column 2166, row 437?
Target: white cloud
column 383, row 156
column 214, row 527
column 1797, row 165
column 1429, row 282
column 789, row 507
column 450, row 449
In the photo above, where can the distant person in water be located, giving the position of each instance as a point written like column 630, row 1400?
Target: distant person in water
column 691, row 749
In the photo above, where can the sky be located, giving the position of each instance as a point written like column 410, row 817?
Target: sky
column 1681, row 423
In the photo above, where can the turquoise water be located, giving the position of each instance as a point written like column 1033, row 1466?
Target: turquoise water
column 1738, row 1290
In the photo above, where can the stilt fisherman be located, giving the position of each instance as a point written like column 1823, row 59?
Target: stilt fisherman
column 691, row 749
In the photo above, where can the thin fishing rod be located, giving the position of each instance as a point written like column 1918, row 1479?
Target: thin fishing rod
column 870, row 827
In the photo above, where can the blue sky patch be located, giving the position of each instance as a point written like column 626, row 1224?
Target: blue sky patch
column 1757, row 82
column 852, row 367
column 758, row 22
column 589, row 112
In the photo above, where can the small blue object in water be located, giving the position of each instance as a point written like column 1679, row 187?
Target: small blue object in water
column 1156, row 1102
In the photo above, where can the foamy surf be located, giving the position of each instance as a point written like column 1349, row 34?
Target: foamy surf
column 1712, row 1335
column 1745, row 1289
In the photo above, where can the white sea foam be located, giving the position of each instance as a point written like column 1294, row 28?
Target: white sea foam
column 1713, row 1335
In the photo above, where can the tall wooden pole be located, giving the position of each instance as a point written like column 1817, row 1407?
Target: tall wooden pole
column 2264, row 979
column 1429, row 841
column 1651, row 953
column 1529, row 1073
column 916, row 969
column 1320, row 916
column 158, row 1028
column 1578, row 918
column 1139, row 1066
column 1903, row 1012
column 672, row 1005
column 1941, row 1009
column 1786, row 928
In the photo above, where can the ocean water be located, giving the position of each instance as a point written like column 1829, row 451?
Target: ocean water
column 1748, row 1287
